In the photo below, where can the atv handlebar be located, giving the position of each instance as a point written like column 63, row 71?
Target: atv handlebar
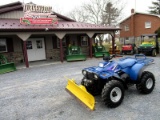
column 107, row 58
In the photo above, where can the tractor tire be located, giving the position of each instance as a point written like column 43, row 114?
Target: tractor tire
column 135, row 51
column 121, row 52
column 154, row 53
column 113, row 93
column 147, row 83
column 132, row 52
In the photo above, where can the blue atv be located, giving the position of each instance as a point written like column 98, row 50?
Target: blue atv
column 111, row 78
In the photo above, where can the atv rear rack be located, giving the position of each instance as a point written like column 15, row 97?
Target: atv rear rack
column 140, row 58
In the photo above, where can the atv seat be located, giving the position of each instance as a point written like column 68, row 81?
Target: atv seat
column 127, row 63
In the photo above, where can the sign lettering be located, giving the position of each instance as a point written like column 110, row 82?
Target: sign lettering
column 37, row 8
column 38, row 14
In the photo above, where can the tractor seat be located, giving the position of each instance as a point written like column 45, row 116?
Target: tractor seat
column 127, row 63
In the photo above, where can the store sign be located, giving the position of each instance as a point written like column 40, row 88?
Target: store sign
column 37, row 8
column 38, row 15
column 38, row 21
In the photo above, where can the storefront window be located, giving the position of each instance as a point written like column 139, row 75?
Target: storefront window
column 3, row 45
column 29, row 45
column 39, row 44
column 84, row 41
column 63, row 42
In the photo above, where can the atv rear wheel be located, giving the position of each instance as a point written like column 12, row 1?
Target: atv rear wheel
column 113, row 93
column 147, row 83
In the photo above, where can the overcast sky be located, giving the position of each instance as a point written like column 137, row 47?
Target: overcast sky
column 64, row 6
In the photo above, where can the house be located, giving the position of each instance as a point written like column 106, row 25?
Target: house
column 23, row 41
column 137, row 24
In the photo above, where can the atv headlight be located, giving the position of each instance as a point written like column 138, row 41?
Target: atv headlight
column 96, row 76
column 101, row 65
column 84, row 72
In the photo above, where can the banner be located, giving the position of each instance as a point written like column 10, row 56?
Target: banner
column 38, row 21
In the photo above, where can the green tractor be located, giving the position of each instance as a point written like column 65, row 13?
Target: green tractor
column 5, row 66
column 74, row 53
column 149, row 45
column 99, row 51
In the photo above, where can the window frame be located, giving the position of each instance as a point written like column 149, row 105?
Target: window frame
column 29, row 48
column 126, row 28
column 5, row 45
column 148, row 24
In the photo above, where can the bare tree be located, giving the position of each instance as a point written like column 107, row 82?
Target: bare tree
column 78, row 15
column 104, row 12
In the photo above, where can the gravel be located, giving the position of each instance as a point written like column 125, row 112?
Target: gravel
column 38, row 93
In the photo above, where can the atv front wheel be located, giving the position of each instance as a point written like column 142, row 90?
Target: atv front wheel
column 147, row 83
column 113, row 93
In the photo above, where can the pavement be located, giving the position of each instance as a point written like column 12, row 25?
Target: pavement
column 38, row 93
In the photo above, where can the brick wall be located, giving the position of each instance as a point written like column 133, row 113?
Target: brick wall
column 16, row 57
column 53, row 54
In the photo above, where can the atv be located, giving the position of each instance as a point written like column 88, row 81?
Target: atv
column 110, row 79
column 129, row 48
column 149, row 46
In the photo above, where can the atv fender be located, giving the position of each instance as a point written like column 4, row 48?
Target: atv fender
column 122, row 81
column 80, row 92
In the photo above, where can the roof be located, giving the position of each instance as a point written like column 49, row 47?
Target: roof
column 11, row 4
column 19, row 6
column 66, row 24
column 139, row 13
column 14, row 24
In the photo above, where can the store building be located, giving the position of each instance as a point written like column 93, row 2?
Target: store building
column 32, row 42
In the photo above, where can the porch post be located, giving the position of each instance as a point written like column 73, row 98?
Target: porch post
column 90, row 34
column 90, row 47
column 24, row 36
column 25, row 54
column 61, row 51
column 61, row 35
column 113, row 42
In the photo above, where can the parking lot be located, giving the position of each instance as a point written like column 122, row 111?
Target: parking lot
column 38, row 93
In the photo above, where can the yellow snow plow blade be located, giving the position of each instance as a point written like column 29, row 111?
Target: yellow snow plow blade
column 81, row 93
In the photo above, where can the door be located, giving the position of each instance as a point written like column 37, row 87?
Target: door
column 36, row 49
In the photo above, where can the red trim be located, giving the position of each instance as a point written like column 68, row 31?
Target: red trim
column 25, row 54
column 8, row 9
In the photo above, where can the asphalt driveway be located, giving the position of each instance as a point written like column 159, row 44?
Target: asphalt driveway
column 38, row 93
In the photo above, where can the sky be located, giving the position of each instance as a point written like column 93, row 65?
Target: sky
column 65, row 6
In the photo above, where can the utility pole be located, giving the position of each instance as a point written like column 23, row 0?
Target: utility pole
column 159, row 6
column 135, row 5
